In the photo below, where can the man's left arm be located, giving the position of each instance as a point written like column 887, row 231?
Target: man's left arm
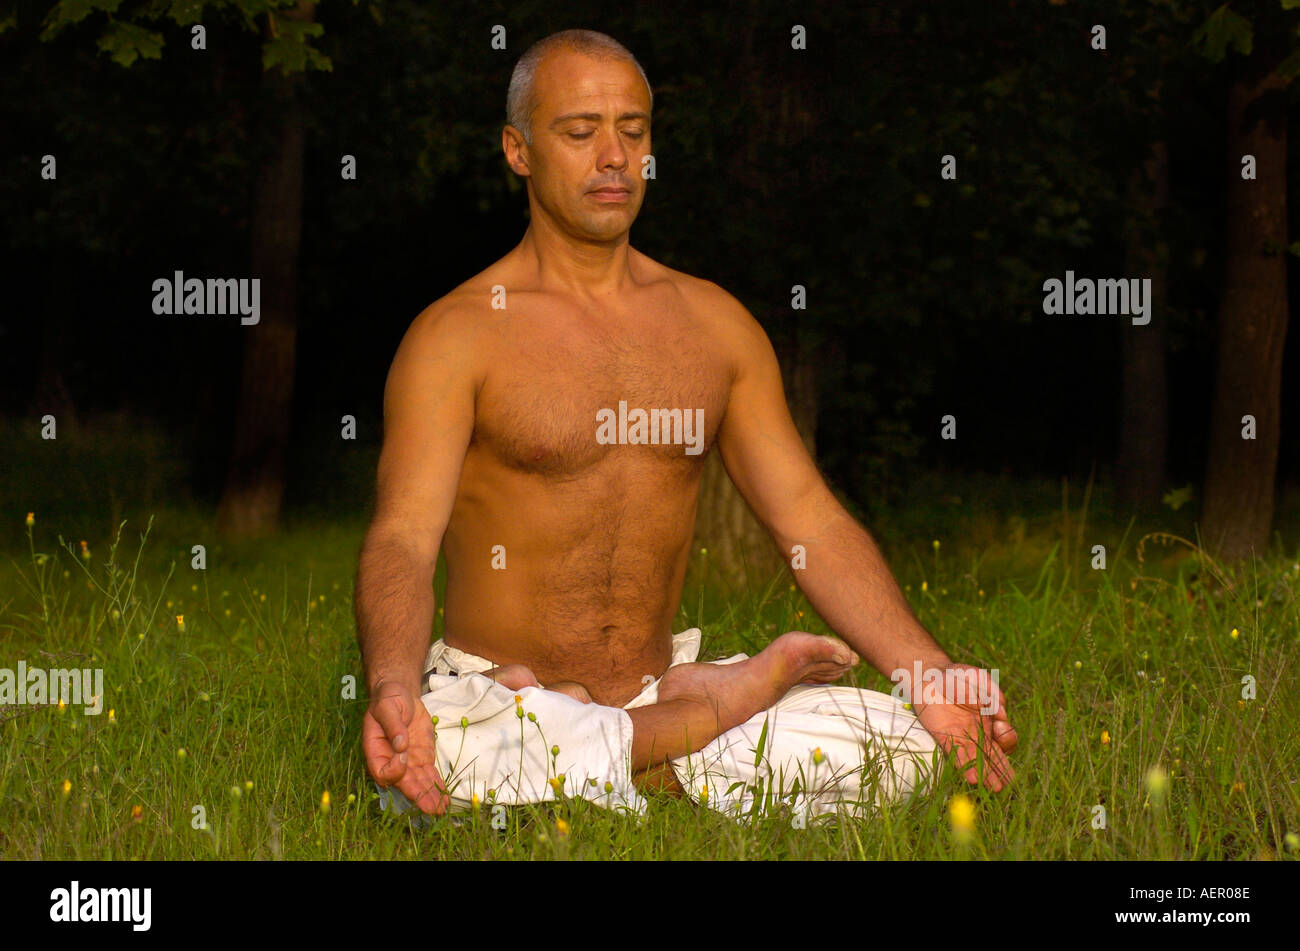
column 844, row 575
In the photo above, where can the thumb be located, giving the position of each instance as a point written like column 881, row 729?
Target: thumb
column 391, row 706
column 1005, row 734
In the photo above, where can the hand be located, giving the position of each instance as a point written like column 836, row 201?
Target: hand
column 962, row 729
column 398, row 740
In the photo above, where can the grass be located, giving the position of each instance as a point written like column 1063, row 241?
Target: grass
column 1126, row 686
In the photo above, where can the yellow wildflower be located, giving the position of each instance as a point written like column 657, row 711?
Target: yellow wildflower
column 1157, row 781
column 562, row 827
column 325, row 801
column 31, row 519
column 1105, row 738
column 961, row 814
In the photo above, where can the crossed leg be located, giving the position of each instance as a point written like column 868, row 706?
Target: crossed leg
column 698, row 702
column 518, row 676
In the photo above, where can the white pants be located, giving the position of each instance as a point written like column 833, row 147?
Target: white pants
column 820, row 749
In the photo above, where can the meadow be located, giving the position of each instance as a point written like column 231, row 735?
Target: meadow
column 226, row 731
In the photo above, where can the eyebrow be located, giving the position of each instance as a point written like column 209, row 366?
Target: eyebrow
column 594, row 117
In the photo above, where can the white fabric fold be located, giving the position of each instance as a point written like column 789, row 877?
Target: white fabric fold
column 819, row 750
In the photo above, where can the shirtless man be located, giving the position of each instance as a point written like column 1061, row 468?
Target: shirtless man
column 490, row 415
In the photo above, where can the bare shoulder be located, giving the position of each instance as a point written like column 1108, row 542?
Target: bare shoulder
column 464, row 310
column 707, row 300
column 446, row 347
column 721, row 315
column 459, row 325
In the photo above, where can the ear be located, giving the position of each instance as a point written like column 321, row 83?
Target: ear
column 516, row 151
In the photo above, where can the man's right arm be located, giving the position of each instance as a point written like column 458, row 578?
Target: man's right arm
column 428, row 421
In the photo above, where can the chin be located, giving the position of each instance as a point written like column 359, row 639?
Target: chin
column 606, row 230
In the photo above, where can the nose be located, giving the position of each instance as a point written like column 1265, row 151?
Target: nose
column 613, row 153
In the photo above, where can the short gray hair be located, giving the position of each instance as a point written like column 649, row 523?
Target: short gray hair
column 520, row 100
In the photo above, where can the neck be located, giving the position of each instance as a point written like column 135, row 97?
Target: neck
column 576, row 265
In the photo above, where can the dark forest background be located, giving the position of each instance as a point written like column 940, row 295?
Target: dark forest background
column 775, row 167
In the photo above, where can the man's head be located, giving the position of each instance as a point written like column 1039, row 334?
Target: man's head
column 579, row 121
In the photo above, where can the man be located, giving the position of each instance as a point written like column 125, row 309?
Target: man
column 546, row 425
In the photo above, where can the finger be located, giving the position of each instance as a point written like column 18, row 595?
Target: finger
column 392, row 709
column 994, row 751
column 999, row 773
column 984, row 763
column 383, row 762
column 1005, row 735
column 961, row 748
column 996, row 757
column 967, row 759
column 425, row 788
column 999, row 729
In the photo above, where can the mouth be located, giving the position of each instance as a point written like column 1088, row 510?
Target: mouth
column 610, row 193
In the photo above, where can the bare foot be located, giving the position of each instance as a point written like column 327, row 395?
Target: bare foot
column 514, row 676
column 518, row 676
column 735, row 692
column 570, row 689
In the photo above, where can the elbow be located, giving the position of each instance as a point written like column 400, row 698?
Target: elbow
column 391, row 545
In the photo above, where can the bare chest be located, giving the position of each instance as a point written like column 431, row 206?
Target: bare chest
column 558, row 401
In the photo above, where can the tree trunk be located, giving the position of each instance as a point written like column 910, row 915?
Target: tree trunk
column 51, row 394
column 254, row 490
column 1144, row 406
column 1240, row 473
column 740, row 549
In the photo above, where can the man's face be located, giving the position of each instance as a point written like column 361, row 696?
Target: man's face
column 591, row 126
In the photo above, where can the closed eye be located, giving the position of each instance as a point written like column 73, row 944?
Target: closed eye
column 634, row 133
